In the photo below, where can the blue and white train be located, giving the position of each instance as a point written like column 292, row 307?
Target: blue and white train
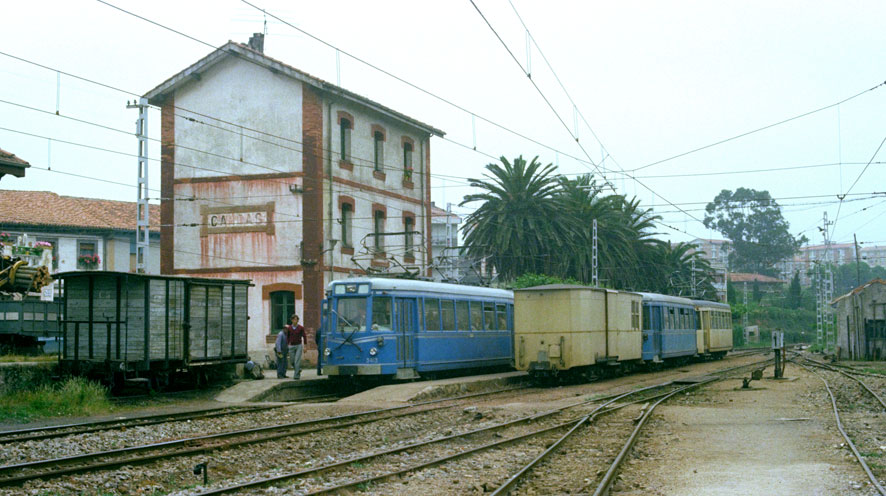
column 405, row 329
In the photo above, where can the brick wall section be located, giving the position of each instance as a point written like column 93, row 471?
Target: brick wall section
column 312, row 208
column 167, row 186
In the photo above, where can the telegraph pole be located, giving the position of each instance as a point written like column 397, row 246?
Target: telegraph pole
column 142, row 234
column 857, row 262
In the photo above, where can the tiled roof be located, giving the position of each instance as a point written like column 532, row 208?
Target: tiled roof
column 10, row 158
column 439, row 212
column 44, row 208
column 745, row 277
column 860, row 289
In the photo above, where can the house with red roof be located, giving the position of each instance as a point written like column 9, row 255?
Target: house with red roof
column 85, row 233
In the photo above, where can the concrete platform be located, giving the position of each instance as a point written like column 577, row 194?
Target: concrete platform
column 272, row 389
column 426, row 390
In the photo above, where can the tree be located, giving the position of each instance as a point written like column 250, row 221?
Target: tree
column 794, row 291
column 752, row 221
column 519, row 227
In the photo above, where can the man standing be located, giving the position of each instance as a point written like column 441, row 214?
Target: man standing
column 281, row 349
column 297, row 341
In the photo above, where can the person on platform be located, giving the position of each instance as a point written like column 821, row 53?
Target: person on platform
column 297, row 341
column 281, row 350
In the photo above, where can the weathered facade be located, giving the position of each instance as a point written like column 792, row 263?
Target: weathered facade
column 861, row 322
column 292, row 182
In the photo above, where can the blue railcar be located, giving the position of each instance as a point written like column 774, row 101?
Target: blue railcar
column 405, row 329
column 669, row 327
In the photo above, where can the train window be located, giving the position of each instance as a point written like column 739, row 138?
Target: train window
column 432, row 314
column 351, row 314
column 635, row 314
column 476, row 316
column 501, row 312
column 646, row 316
column 489, row 315
column 447, row 311
column 671, row 320
column 462, row 316
column 381, row 314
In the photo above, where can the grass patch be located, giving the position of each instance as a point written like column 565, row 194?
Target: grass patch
column 28, row 358
column 73, row 397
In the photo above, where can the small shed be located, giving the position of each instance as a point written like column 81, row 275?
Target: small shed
column 861, row 322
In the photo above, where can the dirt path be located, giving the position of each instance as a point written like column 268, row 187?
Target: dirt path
column 779, row 438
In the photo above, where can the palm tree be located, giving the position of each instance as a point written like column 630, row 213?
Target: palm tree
column 581, row 199
column 520, row 226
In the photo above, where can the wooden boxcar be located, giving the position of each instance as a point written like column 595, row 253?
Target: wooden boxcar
column 124, row 325
column 581, row 329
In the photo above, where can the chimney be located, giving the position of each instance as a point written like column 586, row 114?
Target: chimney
column 257, row 42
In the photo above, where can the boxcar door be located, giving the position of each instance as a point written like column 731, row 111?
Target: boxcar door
column 407, row 326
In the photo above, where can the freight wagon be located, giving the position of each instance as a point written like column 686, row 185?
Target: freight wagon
column 588, row 332
column 120, row 325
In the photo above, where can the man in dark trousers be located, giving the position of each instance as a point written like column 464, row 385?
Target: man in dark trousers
column 297, row 342
column 281, row 350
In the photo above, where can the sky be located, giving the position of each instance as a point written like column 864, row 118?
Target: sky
column 648, row 94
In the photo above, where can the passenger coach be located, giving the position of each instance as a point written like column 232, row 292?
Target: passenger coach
column 669, row 327
column 715, row 328
column 406, row 329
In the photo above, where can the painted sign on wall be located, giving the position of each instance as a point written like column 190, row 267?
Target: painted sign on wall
column 237, row 219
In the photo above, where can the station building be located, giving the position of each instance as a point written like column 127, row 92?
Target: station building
column 861, row 322
column 271, row 174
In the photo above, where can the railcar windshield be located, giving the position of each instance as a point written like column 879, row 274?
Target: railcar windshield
column 351, row 314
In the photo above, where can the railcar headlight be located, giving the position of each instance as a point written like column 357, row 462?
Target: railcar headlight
column 373, row 352
column 327, row 352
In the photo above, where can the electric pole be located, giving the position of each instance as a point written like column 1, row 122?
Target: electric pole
column 142, row 234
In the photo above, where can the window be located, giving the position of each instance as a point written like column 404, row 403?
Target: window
column 54, row 243
column 476, row 316
column 448, row 314
column 635, row 314
column 282, row 306
column 407, row 160
column 381, row 313
column 345, row 126
column 408, row 227
column 501, row 312
column 432, row 314
column 462, row 316
column 347, row 218
column 671, row 323
column 378, row 139
column 646, row 316
column 379, row 230
column 87, row 258
column 351, row 314
column 489, row 316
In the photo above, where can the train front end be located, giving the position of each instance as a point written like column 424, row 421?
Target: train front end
column 358, row 337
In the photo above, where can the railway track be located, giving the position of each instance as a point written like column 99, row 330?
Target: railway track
column 541, row 430
column 54, row 431
column 866, row 447
column 16, row 474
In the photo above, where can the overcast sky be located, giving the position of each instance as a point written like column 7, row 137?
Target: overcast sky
column 652, row 79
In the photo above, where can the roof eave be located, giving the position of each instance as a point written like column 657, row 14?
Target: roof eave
column 157, row 95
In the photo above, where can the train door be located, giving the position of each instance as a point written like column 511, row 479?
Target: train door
column 658, row 327
column 406, row 327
